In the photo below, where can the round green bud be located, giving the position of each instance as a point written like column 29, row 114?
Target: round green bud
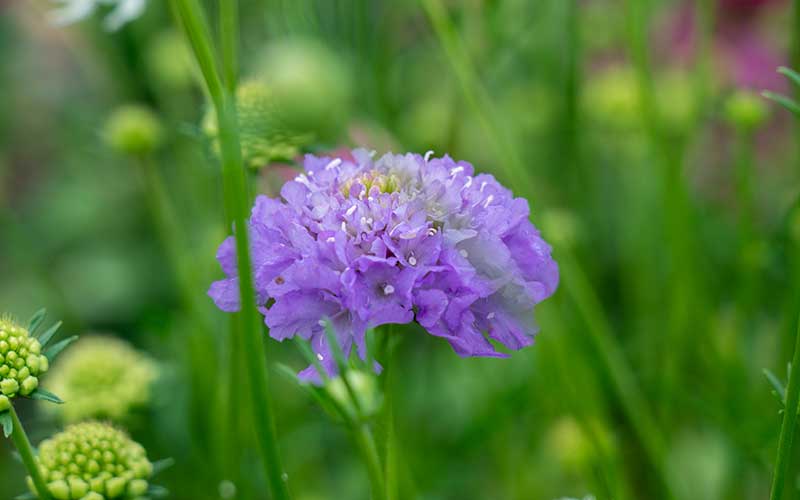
column 745, row 110
column 5, row 403
column 121, row 471
column 134, row 130
column 264, row 134
column 101, row 377
column 169, row 60
column 19, row 367
column 311, row 84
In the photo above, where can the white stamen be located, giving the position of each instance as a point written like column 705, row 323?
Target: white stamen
column 370, row 199
column 344, row 226
column 464, row 253
column 469, row 182
column 488, row 200
column 412, row 260
column 428, row 155
column 311, row 174
column 388, row 289
column 370, row 220
column 331, row 240
column 456, row 170
column 351, row 210
column 321, row 322
column 364, row 220
column 490, row 316
column 302, row 179
column 432, row 231
column 333, row 163
column 320, row 357
column 483, row 185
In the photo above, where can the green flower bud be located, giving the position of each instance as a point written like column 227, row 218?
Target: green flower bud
column 5, row 403
column 28, row 385
column 169, row 60
column 312, row 85
column 365, row 389
column 9, row 387
column 101, row 377
column 746, row 110
column 611, row 99
column 134, row 130
column 263, row 132
column 19, row 367
column 122, row 471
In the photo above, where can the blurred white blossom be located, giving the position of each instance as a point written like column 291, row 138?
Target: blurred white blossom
column 122, row 11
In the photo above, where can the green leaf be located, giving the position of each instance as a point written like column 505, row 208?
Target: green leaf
column 36, row 320
column 783, row 101
column 44, row 395
column 156, row 491
column 160, row 466
column 56, row 348
column 45, row 337
column 7, row 423
column 779, row 390
column 790, row 74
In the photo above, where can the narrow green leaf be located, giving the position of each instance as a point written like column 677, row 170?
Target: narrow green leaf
column 155, row 491
column 779, row 390
column 45, row 337
column 7, row 423
column 287, row 372
column 783, row 101
column 790, row 74
column 45, row 395
column 36, row 320
column 160, row 466
column 56, row 348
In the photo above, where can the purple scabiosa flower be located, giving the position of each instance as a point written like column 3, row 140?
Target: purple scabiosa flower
column 404, row 238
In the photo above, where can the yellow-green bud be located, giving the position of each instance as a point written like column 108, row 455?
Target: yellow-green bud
column 101, row 377
column 19, row 367
column 5, row 403
column 169, row 60
column 746, row 110
column 121, row 469
column 134, row 130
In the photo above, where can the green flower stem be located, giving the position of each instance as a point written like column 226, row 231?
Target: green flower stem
column 387, row 415
column 615, row 365
column 23, row 445
column 789, row 424
column 676, row 208
column 236, row 200
column 229, row 33
column 369, row 452
column 476, row 96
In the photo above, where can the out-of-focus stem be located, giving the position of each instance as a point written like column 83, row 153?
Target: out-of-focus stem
column 229, row 32
column 789, row 424
column 236, row 196
column 369, row 452
column 23, row 445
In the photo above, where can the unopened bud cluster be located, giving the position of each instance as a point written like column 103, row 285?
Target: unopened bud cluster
column 21, row 362
column 94, row 461
column 101, row 377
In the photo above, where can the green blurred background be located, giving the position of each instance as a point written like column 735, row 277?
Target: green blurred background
column 667, row 186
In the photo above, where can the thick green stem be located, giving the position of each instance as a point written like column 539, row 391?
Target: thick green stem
column 25, row 450
column 369, row 452
column 236, row 202
column 789, row 424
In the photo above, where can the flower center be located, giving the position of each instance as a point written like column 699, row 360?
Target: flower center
column 373, row 178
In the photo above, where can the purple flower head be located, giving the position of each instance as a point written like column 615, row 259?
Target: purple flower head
column 405, row 238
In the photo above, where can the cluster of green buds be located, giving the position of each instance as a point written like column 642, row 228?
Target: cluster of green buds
column 384, row 183
column 102, row 377
column 134, row 130
column 21, row 362
column 94, row 461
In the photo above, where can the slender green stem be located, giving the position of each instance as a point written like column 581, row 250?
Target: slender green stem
column 25, row 450
column 229, row 33
column 789, row 424
column 369, row 452
column 236, row 196
column 476, row 96
column 616, row 366
column 389, row 432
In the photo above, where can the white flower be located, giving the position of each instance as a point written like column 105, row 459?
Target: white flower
column 123, row 11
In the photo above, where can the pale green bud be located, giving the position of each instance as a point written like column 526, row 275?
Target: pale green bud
column 364, row 387
column 134, row 130
column 19, row 366
column 59, row 489
column 101, row 377
column 5, row 403
column 29, row 385
column 9, row 387
column 746, row 110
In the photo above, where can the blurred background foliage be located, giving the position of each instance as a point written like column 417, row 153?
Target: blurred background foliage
column 667, row 185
